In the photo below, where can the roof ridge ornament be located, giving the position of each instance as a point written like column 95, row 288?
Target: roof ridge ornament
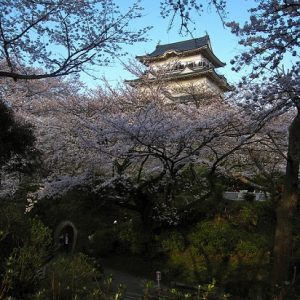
column 208, row 40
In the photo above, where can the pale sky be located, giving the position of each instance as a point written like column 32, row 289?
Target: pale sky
column 224, row 44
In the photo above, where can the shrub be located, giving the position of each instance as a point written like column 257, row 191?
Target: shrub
column 71, row 277
column 133, row 236
column 25, row 262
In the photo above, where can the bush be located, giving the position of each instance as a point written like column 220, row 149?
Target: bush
column 134, row 238
column 25, row 262
column 76, row 277
column 71, row 277
column 235, row 257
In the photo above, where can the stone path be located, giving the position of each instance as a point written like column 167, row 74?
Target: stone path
column 132, row 283
column 135, row 285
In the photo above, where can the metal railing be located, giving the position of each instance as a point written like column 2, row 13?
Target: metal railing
column 242, row 195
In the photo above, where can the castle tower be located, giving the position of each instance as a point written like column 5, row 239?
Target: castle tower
column 184, row 67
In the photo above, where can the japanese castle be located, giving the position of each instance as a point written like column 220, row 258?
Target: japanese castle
column 184, row 68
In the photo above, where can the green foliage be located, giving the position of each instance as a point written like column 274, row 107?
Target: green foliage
column 134, row 237
column 215, row 237
column 91, row 216
column 12, row 223
column 71, row 277
column 13, row 230
column 230, row 244
column 40, row 236
column 199, row 292
column 252, row 215
column 175, row 241
column 211, row 246
column 247, row 216
column 225, row 249
column 25, row 262
column 76, row 277
column 16, row 138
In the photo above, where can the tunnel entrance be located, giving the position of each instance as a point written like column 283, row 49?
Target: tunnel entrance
column 65, row 237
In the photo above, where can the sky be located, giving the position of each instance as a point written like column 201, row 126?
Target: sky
column 224, row 43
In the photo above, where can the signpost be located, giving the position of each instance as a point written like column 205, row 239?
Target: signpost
column 158, row 278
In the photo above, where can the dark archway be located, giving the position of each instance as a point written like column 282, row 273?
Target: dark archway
column 65, row 236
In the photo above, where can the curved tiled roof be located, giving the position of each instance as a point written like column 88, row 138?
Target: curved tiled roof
column 186, row 48
column 181, row 46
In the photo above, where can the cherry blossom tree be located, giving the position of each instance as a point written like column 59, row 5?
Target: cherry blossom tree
column 42, row 39
column 62, row 37
column 261, row 164
column 271, row 38
column 129, row 141
column 182, row 9
column 140, row 138
column 270, row 35
column 127, row 137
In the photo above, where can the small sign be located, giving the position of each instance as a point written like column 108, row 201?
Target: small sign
column 158, row 278
column 158, row 275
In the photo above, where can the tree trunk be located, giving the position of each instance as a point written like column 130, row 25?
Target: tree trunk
column 285, row 211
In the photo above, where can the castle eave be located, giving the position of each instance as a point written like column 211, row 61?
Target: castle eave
column 210, row 73
column 205, row 51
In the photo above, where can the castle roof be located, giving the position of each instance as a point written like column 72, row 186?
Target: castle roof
column 181, row 46
column 189, row 47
